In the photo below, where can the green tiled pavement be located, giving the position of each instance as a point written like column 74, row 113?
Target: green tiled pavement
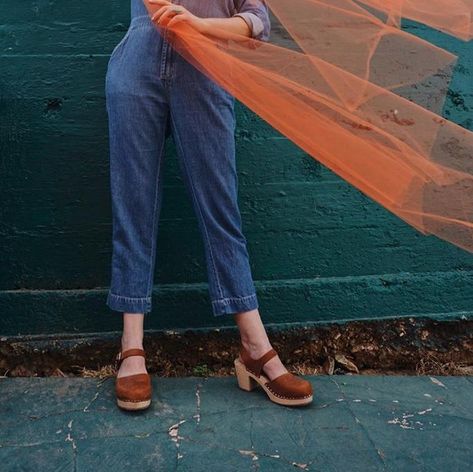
column 356, row 423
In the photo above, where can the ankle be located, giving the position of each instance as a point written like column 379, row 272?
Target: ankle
column 130, row 342
column 256, row 348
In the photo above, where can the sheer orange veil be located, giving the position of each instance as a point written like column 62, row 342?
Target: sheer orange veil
column 349, row 88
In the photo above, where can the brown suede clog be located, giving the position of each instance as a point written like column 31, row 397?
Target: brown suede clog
column 133, row 392
column 286, row 389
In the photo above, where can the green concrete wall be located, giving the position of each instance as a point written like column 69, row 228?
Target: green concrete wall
column 320, row 250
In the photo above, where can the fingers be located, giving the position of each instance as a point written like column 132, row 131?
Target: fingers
column 175, row 19
column 159, row 11
column 166, row 11
column 157, row 14
column 162, row 13
column 166, row 14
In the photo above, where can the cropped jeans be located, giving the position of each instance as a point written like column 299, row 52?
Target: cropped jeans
column 153, row 93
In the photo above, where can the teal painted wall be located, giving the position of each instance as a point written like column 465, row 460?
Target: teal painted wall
column 320, row 250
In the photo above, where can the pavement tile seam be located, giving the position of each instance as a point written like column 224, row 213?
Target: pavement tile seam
column 400, row 417
column 74, row 441
column 254, row 454
column 378, row 452
column 427, row 399
column 314, row 445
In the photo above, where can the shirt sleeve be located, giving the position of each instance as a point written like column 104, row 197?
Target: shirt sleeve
column 256, row 15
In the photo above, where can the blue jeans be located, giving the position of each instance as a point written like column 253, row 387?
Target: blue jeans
column 152, row 93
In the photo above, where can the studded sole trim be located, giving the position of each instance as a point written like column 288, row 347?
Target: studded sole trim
column 248, row 381
column 287, row 398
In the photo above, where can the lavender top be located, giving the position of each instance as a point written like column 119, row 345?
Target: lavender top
column 254, row 12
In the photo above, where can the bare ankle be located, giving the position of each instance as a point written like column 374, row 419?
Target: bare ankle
column 129, row 342
column 256, row 348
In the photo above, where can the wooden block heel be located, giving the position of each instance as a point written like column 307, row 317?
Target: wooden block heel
column 287, row 389
column 245, row 382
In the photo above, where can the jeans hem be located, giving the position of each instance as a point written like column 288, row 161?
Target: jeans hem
column 232, row 305
column 128, row 304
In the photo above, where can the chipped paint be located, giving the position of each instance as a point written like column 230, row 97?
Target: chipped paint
column 197, row 395
column 173, row 431
column 49, row 424
column 437, row 382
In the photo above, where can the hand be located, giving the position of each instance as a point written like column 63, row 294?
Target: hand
column 169, row 14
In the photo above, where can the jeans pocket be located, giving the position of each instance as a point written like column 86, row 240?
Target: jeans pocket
column 121, row 43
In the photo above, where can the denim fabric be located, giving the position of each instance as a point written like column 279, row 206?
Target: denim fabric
column 152, row 93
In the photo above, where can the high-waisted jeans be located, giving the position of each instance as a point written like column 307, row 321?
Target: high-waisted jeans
column 152, row 93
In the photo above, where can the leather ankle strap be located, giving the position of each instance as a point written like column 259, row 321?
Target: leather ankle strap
column 129, row 352
column 256, row 365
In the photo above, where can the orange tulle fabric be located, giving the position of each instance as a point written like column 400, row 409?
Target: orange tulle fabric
column 361, row 96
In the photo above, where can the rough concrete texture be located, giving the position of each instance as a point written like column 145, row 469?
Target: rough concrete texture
column 356, row 423
column 319, row 249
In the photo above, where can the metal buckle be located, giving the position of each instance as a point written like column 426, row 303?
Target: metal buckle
column 118, row 358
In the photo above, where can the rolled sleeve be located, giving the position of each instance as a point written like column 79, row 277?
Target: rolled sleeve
column 256, row 15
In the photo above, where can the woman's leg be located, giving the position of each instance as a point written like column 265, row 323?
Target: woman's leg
column 255, row 340
column 203, row 125
column 132, row 337
column 138, row 115
column 137, row 129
